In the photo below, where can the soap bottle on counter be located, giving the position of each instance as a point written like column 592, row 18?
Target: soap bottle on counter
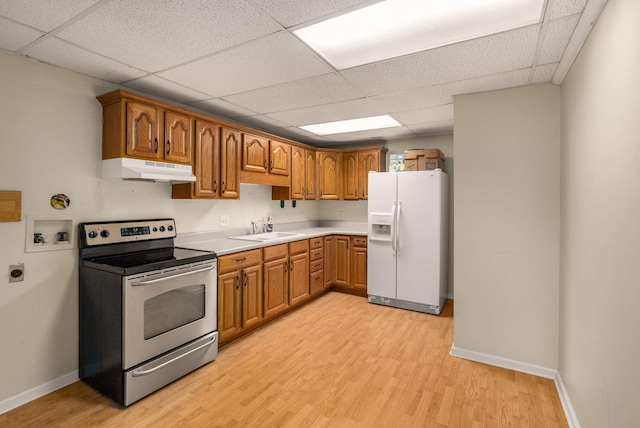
column 269, row 223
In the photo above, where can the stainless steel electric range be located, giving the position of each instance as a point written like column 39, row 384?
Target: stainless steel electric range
column 148, row 309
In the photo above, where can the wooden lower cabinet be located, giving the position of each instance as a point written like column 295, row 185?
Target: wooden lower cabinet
column 342, row 260
column 358, row 268
column 298, row 271
column 329, row 260
column 239, row 293
column 276, row 279
column 316, row 265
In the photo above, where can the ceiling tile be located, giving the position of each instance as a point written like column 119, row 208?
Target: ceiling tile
column 261, row 121
column 60, row 53
column 14, row 36
column 434, row 128
column 558, row 35
column 544, row 73
column 427, row 115
column 353, row 109
column 508, row 51
column 43, row 15
column 443, row 94
column 328, row 88
column 157, row 34
column 274, row 59
column 294, row 12
column 561, row 8
column 163, row 88
column 221, row 107
column 298, row 134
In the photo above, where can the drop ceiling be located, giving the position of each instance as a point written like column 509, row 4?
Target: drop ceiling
column 239, row 60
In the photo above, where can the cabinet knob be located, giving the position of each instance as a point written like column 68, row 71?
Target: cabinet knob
column 246, row 280
column 155, row 140
column 237, row 282
column 168, row 146
column 215, row 185
column 224, row 186
column 271, row 165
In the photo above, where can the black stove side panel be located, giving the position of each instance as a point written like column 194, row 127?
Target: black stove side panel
column 101, row 348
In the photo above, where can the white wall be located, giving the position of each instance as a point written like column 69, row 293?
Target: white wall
column 600, row 246
column 51, row 143
column 507, row 218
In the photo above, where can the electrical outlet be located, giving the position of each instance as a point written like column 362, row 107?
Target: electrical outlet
column 341, row 215
column 224, row 221
column 16, row 272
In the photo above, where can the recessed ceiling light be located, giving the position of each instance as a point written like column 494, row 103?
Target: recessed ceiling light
column 398, row 27
column 352, row 125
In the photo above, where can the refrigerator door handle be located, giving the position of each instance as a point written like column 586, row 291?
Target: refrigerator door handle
column 397, row 226
column 393, row 229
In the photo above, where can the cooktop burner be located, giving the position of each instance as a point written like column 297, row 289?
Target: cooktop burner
column 132, row 263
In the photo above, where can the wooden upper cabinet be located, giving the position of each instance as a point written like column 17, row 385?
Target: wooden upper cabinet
column 368, row 161
column 298, row 179
column 350, row 176
column 143, row 129
column 329, row 175
column 229, row 163
column 310, row 175
column 279, row 158
column 178, row 137
column 207, row 160
column 255, row 153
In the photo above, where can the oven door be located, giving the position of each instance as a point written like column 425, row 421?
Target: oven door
column 167, row 308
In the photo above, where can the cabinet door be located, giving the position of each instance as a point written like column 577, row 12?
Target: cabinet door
column 279, row 158
column 276, row 286
column 229, row 163
column 229, row 308
column 359, row 267
column 367, row 161
column 143, row 127
column 251, row 296
column 350, row 176
column 329, row 174
column 310, row 178
column 178, row 137
column 342, row 261
column 255, row 153
column 299, row 277
column 297, row 172
column 329, row 261
column 207, row 159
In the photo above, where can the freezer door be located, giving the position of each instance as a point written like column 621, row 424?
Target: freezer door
column 381, row 261
column 418, row 237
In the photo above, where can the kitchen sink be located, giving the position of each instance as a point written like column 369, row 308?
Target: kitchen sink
column 268, row 236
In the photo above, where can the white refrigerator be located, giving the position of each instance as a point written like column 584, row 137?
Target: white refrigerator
column 407, row 262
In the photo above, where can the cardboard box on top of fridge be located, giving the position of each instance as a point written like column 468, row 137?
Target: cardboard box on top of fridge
column 423, row 159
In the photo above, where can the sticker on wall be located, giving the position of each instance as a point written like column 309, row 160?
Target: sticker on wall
column 60, row 201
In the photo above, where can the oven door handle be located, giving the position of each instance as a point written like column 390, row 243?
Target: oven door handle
column 137, row 373
column 151, row 281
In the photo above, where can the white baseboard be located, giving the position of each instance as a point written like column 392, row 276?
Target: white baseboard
column 37, row 392
column 569, row 413
column 504, row 363
column 450, row 296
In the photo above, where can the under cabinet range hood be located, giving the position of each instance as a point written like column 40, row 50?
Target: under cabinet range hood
column 138, row 169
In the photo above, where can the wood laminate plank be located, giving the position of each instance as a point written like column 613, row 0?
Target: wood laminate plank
column 336, row 362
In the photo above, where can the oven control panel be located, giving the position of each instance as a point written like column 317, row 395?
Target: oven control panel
column 126, row 231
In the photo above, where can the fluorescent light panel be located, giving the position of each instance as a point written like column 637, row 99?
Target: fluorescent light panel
column 398, row 27
column 352, row 125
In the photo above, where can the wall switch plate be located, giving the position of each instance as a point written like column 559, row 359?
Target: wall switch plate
column 16, row 272
column 224, row 221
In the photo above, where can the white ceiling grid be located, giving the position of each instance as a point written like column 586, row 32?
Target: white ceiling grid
column 239, row 59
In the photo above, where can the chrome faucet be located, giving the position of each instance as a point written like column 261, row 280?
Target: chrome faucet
column 254, row 226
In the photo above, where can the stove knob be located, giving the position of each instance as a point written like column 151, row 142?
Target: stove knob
column 161, row 228
column 93, row 234
column 169, row 228
column 155, row 229
column 104, row 233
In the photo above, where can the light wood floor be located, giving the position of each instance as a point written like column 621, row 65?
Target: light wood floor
column 337, row 362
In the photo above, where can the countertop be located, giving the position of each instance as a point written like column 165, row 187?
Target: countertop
column 226, row 245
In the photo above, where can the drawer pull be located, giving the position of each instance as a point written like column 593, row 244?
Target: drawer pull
column 241, row 259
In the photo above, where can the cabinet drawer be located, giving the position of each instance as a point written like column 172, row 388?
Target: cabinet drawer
column 316, row 282
column 298, row 247
column 315, row 243
column 359, row 241
column 241, row 260
column 315, row 254
column 316, row 265
column 275, row 252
